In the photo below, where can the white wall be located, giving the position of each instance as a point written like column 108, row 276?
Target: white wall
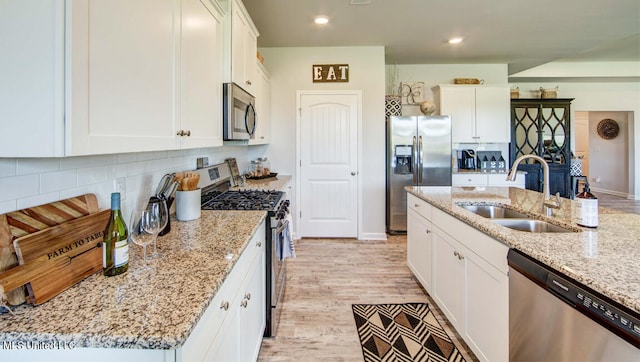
column 290, row 70
column 435, row 74
column 26, row 182
column 608, row 159
column 603, row 96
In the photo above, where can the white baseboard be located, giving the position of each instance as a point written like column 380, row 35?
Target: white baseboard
column 611, row 192
column 373, row 236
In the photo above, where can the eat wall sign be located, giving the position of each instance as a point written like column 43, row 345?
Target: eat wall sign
column 330, row 73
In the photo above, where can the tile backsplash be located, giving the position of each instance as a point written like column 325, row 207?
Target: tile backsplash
column 26, row 182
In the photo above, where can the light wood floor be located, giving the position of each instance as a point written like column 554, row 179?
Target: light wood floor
column 326, row 278
column 618, row 203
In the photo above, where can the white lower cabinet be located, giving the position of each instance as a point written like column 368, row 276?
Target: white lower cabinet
column 240, row 335
column 448, row 284
column 419, row 248
column 469, row 280
column 419, row 241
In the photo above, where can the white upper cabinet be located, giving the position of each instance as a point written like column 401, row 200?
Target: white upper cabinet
column 479, row 114
column 32, row 78
column 244, row 48
column 263, row 107
column 201, row 74
column 134, row 75
column 122, row 71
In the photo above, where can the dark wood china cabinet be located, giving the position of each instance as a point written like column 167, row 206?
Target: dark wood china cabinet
column 542, row 127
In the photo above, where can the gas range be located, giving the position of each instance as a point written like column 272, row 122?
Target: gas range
column 241, row 200
column 214, row 182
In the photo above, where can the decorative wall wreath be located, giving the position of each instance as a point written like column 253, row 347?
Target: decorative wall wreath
column 608, row 129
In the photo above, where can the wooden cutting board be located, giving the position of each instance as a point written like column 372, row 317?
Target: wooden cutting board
column 27, row 221
column 56, row 258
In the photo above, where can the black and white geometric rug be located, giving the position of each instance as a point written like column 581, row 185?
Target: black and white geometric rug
column 402, row 332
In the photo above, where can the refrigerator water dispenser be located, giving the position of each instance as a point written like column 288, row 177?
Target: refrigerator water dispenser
column 403, row 159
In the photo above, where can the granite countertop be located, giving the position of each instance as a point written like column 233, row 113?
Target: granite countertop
column 155, row 309
column 272, row 183
column 605, row 259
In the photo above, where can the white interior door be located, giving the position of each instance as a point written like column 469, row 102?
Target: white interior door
column 328, row 172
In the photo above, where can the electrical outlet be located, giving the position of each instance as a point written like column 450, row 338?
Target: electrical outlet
column 120, row 185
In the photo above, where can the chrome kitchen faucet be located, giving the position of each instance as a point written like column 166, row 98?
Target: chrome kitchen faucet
column 547, row 202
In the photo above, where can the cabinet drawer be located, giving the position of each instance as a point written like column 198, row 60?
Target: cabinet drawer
column 491, row 250
column 420, row 206
column 469, row 179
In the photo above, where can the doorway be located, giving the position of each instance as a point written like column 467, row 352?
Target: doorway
column 605, row 160
column 327, row 144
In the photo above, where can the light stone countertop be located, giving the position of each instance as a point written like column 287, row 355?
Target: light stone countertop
column 154, row 309
column 605, row 259
column 277, row 183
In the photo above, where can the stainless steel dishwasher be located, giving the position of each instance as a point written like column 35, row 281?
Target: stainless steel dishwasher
column 554, row 318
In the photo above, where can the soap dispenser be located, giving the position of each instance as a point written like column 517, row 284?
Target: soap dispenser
column 586, row 208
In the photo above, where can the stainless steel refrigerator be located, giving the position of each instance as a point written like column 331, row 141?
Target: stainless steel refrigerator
column 418, row 154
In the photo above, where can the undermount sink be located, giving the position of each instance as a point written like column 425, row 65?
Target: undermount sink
column 494, row 212
column 532, row 226
column 513, row 219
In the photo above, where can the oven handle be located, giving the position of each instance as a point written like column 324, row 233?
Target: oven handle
column 281, row 226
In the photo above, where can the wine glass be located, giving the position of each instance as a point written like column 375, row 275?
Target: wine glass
column 138, row 230
column 158, row 216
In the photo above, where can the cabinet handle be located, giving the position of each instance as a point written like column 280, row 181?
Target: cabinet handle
column 460, row 257
column 416, row 205
column 187, row 133
column 428, row 231
column 244, row 303
column 183, row 133
column 247, row 296
column 258, row 244
column 180, row 133
column 224, row 305
column 248, row 82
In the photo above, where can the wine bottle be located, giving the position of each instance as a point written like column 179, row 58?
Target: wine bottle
column 115, row 246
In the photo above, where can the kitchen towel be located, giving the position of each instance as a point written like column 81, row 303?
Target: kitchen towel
column 287, row 244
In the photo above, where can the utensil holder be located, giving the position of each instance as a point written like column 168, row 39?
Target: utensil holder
column 188, row 205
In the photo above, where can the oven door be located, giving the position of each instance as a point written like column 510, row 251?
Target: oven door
column 278, row 273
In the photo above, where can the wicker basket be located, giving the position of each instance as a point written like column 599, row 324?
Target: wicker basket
column 549, row 93
column 467, row 81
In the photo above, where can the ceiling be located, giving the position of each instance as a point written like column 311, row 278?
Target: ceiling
column 522, row 34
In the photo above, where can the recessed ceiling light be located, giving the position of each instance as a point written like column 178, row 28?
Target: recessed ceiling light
column 455, row 40
column 321, row 20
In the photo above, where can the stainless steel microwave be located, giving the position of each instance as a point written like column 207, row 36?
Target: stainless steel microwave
column 239, row 113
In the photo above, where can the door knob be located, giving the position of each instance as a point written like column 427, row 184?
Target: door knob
column 353, row 173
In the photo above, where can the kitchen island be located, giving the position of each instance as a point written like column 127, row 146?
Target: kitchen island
column 605, row 259
column 141, row 310
column 460, row 257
